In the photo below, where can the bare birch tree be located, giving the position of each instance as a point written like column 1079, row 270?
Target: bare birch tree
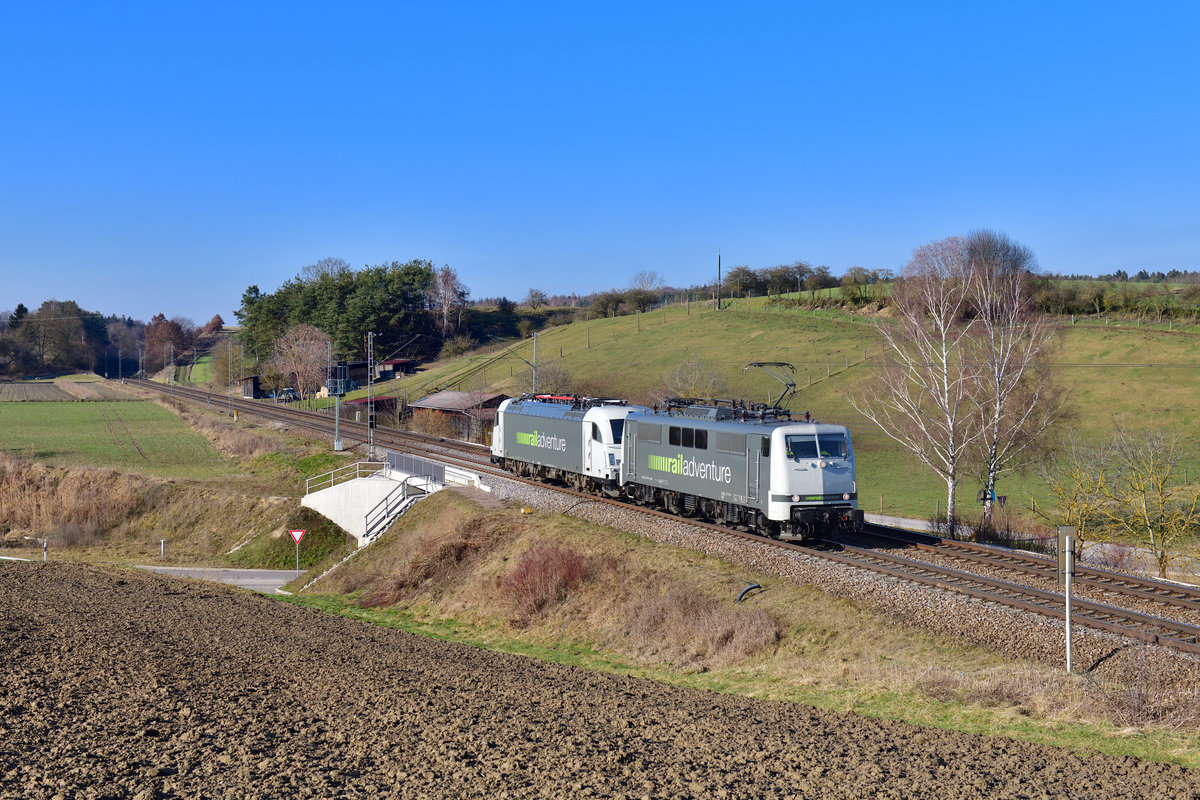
column 1018, row 398
column 303, row 351
column 448, row 297
column 925, row 396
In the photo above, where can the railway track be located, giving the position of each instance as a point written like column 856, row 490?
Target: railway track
column 1132, row 624
column 1087, row 579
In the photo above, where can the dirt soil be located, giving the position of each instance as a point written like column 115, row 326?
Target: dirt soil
column 117, row 684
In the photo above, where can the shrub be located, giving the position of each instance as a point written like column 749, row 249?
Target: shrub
column 543, row 576
column 457, row 346
column 673, row 622
column 438, row 561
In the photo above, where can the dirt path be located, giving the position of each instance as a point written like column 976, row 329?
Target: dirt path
column 123, row 684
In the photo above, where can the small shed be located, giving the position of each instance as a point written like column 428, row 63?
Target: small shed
column 385, row 408
column 252, row 387
column 386, row 370
column 472, row 415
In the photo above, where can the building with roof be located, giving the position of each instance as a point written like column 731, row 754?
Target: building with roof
column 471, row 414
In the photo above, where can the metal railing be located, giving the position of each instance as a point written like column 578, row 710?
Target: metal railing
column 361, row 469
column 378, row 519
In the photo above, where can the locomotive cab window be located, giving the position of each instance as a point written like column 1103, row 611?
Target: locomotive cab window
column 801, row 446
column 596, row 432
column 618, row 429
column 832, row 445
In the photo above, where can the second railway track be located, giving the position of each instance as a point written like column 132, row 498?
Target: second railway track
column 1135, row 624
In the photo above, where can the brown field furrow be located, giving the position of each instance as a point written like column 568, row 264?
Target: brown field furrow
column 118, row 684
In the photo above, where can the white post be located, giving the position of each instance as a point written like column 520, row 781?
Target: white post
column 162, row 545
column 1070, row 573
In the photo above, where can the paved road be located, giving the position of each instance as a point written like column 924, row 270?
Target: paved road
column 260, row 580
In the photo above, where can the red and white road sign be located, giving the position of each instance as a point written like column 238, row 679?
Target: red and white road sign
column 297, row 536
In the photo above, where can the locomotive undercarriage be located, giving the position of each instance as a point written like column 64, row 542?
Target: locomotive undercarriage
column 807, row 522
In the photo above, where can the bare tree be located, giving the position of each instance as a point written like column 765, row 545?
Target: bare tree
column 1019, row 398
column 326, row 267
column 1146, row 502
column 924, row 397
column 303, row 352
column 693, row 378
column 535, row 298
column 448, row 297
column 1075, row 478
column 552, row 378
column 647, row 281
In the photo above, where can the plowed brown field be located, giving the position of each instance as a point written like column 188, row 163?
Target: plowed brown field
column 116, row 684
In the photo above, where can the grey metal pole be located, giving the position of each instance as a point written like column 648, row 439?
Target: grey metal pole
column 1070, row 573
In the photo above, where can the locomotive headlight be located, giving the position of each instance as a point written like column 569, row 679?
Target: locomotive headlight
column 846, row 496
column 795, row 498
column 824, row 464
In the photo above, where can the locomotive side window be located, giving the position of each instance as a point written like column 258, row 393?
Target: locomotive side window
column 596, row 432
column 689, row 437
column 832, row 445
column 649, row 433
column 701, row 439
column 731, row 443
column 674, row 436
column 802, row 446
column 618, row 429
column 766, row 447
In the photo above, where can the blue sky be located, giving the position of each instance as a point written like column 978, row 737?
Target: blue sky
column 165, row 156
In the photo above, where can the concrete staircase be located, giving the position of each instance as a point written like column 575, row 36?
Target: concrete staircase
column 365, row 498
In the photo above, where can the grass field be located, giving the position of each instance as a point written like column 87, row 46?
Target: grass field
column 138, row 437
column 1137, row 374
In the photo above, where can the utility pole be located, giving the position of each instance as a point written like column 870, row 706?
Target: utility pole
column 535, row 362
column 371, row 396
column 718, row 279
column 229, row 365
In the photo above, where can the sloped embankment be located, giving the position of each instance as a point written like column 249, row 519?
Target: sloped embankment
column 456, row 558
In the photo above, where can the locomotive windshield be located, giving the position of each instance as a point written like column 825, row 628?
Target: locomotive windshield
column 618, row 428
column 824, row 445
column 801, row 446
column 832, row 445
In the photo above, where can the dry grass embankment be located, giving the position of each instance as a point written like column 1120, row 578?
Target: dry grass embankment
column 545, row 576
column 561, row 589
column 69, row 507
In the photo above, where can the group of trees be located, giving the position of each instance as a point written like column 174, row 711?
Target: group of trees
column 799, row 277
column 61, row 336
column 1099, row 296
column 1126, row 489
column 967, row 380
column 400, row 302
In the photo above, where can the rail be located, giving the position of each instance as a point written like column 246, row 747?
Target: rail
column 1138, row 627
column 360, row 469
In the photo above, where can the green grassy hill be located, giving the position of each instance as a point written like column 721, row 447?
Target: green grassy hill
column 1141, row 374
